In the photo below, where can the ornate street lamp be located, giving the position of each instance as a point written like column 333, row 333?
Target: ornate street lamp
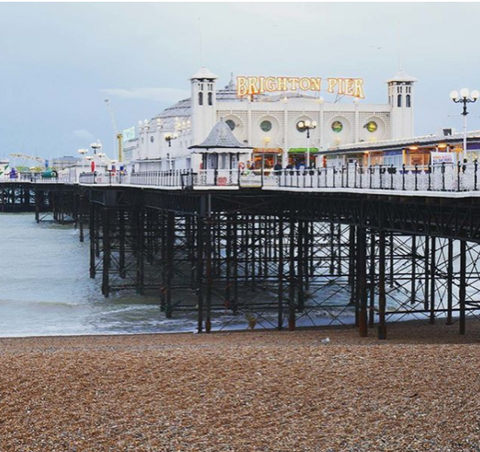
column 96, row 146
column 169, row 137
column 465, row 97
column 307, row 125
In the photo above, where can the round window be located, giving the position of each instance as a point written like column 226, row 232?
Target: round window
column 152, row 139
column 231, row 124
column 371, row 126
column 337, row 126
column 301, row 126
column 266, row 126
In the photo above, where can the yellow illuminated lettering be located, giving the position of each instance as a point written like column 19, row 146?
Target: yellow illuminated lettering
column 270, row 84
column 241, row 86
column 332, row 83
column 252, row 85
column 315, row 84
column 293, row 83
column 350, row 87
column 281, row 84
column 261, row 88
column 305, row 84
column 359, row 88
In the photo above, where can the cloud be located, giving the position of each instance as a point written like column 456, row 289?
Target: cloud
column 83, row 134
column 156, row 94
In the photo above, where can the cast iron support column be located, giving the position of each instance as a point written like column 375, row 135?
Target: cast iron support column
column 280, row 271
column 450, row 282
column 362, row 280
column 371, row 311
column 170, row 263
column 121, row 242
column 432, row 281
column 463, row 284
column 291, row 295
column 208, row 263
column 413, row 288
column 140, row 220
column 382, row 301
column 93, row 236
column 106, row 253
column 200, row 237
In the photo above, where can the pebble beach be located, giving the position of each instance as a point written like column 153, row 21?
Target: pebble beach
column 244, row 392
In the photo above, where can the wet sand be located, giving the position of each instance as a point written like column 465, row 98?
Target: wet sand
column 247, row 391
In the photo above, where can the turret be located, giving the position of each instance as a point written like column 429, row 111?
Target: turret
column 204, row 104
column 401, row 100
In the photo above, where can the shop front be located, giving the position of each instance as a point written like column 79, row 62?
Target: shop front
column 300, row 156
column 267, row 158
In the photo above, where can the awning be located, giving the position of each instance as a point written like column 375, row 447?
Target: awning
column 303, row 150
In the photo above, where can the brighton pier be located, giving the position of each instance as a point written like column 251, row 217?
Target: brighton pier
column 328, row 246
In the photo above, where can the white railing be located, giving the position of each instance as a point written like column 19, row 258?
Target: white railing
column 444, row 177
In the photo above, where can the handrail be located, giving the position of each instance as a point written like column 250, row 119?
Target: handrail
column 414, row 178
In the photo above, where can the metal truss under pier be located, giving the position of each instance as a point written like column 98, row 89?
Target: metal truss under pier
column 286, row 259
column 57, row 202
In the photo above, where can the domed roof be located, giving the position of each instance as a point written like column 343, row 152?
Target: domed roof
column 204, row 73
column 402, row 76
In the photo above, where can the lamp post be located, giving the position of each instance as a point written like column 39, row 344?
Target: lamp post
column 465, row 97
column 307, row 125
column 96, row 146
column 169, row 137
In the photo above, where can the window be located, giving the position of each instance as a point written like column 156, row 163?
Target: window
column 152, row 139
column 231, row 124
column 210, row 99
column 371, row 126
column 407, row 101
column 266, row 126
column 200, row 98
column 337, row 126
column 399, row 100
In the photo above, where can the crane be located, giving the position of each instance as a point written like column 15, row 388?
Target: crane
column 117, row 133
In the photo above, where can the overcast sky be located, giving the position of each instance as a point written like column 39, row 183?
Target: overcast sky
column 60, row 61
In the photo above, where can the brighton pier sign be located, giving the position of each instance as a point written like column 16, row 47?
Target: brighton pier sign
column 248, row 86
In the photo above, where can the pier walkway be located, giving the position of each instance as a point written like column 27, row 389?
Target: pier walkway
column 290, row 248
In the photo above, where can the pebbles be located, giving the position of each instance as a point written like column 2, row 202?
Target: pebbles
column 256, row 391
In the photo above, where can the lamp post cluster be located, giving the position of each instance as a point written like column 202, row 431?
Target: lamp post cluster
column 96, row 146
column 464, row 97
column 307, row 125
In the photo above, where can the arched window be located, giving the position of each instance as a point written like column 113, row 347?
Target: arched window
column 399, row 100
column 200, row 98
column 210, row 99
column 407, row 101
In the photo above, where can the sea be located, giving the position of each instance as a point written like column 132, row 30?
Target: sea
column 45, row 288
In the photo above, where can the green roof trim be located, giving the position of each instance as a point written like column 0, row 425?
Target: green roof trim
column 303, row 150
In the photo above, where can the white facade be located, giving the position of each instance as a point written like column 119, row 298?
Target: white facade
column 269, row 122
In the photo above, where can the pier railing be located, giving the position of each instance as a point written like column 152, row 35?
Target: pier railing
column 440, row 178
column 443, row 177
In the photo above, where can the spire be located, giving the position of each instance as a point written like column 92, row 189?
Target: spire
column 231, row 84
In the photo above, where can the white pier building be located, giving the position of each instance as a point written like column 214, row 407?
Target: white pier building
column 268, row 125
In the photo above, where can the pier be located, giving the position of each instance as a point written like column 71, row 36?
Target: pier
column 288, row 249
